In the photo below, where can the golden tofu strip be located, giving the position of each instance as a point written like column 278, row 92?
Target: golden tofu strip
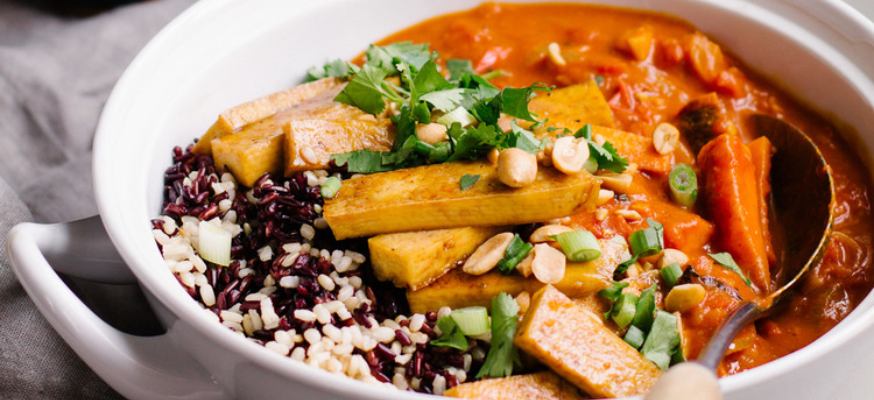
column 429, row 197
column 273, row 144
column 235, row 118
column 577, row 105
column 573, row 106
column 457, row 289
column 541, row 386
column 572, row 341
column 252, row 152
column 311, row 142
column 415, row 259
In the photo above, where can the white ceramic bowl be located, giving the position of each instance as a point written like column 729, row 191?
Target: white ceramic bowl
column 222, row 52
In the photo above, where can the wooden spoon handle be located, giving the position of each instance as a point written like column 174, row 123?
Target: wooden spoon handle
column 688, row 380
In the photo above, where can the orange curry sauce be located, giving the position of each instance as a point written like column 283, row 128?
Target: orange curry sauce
column 514, row 38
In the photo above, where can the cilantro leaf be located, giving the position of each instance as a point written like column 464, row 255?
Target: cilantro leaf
column 608, row 158
column 387, row 57
column 467, row 181
column 487, row 111
column 366, row 90
column 332, row 69
column 428, row 79
column 514, row 101
column 458, row 68
column 502, row 354
column 450, row 335
column 521, row 139
column 473, row 142
column 663, row 339
column 726, row 260
column 445, row 100
column 606, row 155
column 584, row 132
column 360, row 161
column 645, row 312
column 405, row 126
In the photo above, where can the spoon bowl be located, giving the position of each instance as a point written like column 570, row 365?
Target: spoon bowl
column 802, row 212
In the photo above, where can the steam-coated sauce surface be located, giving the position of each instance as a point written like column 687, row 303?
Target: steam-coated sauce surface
column 514, row 39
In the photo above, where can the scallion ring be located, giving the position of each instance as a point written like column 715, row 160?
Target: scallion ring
column 683, row 184
column 579, row 245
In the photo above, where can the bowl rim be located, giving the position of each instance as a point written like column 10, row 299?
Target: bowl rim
column 184, row 309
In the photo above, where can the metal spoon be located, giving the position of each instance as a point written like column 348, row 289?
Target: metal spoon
column 802, row 198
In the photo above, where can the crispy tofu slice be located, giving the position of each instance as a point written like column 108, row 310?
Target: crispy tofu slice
column 311, row 142
column 250, row 153
column 429, row 197
column 457, row 289
column 319, row 122
column 235, row 118
column 415, row 259
column 575, row 344
column 541, row 385
column 637, row 149
column 574, row 106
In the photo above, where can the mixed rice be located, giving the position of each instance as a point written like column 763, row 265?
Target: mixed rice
column 291, row 287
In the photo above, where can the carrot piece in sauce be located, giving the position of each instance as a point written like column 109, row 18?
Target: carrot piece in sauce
column 761, row 151
column 732, row 198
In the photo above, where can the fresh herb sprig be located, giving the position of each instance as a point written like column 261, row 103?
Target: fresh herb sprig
column 406, row 76
column 604, row 154
column 726, row 260
column 502, row 355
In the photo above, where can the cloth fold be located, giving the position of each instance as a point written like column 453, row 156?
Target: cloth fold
column 55, row 75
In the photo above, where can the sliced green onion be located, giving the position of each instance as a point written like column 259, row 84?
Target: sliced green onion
column 579, row 245
column 678, row 356
column 662, row 340
column 502, row 355
column 727, row 261
column 440, row 152
column 624, row 309
column 645, row 312
column 613, row 292
column 684, row 185
column 214, row 243
column 591, row 165
column 634, row 336
column 473, row 321
column 330, row 187
column 459, row 115
column 649, row 241
column 622, row 268
column 671, row 274
column 515, row 253
column 450, row 334
column 423, row 148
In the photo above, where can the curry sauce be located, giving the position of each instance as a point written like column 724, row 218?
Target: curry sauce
column 645, row 89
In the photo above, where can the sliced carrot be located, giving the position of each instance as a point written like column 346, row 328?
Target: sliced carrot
column 732, row 198
column 761, row 151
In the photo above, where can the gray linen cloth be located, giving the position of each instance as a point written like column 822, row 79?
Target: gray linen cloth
column 55, row 75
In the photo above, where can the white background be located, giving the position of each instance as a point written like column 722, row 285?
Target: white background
column 865, row 6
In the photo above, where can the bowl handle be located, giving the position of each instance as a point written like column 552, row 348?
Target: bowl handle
column 138, row 367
